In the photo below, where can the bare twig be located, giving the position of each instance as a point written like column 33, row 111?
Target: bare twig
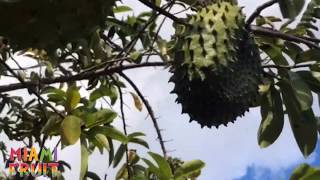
column 258, row 11
column 150, row 111
column 77, row 77
column 163, row 12
column 124, row 129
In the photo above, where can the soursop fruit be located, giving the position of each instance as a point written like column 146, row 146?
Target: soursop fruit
column 216, row 67
column 50, row 24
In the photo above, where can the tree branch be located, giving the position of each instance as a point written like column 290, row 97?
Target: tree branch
column 77, row 77
column 23, row 84
column 150, row 111
column 274, row 33
column 255, row 29
column 163, row 12
column 258, row 11
column 288, row 67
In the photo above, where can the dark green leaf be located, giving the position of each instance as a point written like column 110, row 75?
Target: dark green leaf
column 291, row 8
column 301, row 91
column 139, row 141
column 119, row 155
column 309, row 55
column 302, row 123
column 275, row 54
column 312, row 79
column 272, row 118
column 92, row 175
column 305, row 172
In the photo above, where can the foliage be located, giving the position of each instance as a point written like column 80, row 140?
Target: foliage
column 305, row 172
column 94, row 61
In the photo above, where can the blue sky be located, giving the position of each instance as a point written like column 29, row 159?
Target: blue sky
column 260, row 173
column 229, row 152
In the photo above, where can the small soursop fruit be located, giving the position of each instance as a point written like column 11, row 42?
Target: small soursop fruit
column 216, row 67
column 50, row 24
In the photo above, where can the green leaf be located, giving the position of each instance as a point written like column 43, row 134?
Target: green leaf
column 121, row 9
column 305, row 172
column 189, row 168
column 52, row 126
column 152, row 167
column 56, row 95
column 102, row 139
column 164, row 167
column 301, row 91
column 122, row 173
column 104, row 116
column 70, row 130
column 119, row 155
column 309, row 55
column 139, row 141
column 114, row 134
column 312, row 79
column 272, row 118
column 136, row 134
column 105, row 90
column 293, row 51
column 111, row 152
column 92, row 175
column 84, row 159
column 73, row 98
column 291, row 8
column 302, row 123
column 136, row 56
column 275, row 53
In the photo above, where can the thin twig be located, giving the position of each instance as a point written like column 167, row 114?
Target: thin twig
column 124, row 129
column 77, row 77
column 150, row 111
column 258, row 11
column 163, row 12
column 158, row 31
column 30, row 88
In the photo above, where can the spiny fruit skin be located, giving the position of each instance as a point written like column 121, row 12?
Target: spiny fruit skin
column 216, row 67
column 49, row 24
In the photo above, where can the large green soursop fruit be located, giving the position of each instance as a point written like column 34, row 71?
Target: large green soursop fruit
column 216, row 68
column 49, row 24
